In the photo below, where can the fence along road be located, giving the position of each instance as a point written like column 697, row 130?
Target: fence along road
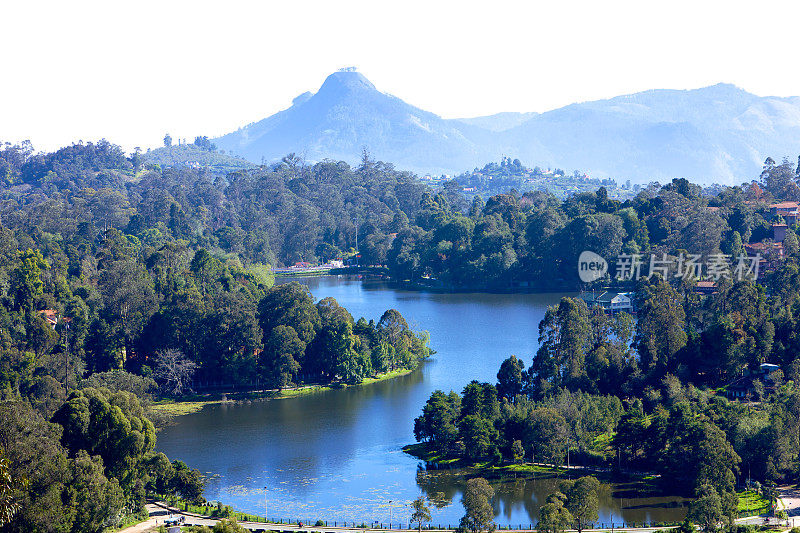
column 160, row 511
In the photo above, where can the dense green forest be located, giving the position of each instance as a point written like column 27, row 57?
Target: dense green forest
column 111, row 293
column 534, row 240
column 121, row 279
column 293, row 211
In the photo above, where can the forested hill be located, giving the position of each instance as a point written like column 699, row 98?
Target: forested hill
column 349, row 113
column 293, row 212
column 276, row 215
column 195, row 156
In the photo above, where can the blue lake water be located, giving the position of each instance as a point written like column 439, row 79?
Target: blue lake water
column 337, row 455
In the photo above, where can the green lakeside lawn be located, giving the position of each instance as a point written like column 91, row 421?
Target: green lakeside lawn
column 192, row 404
column 425, row 452
column 752, row 503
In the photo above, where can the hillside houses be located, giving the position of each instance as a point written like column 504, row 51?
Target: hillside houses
column 610, row 301
column 747, row 387
column 790, row 211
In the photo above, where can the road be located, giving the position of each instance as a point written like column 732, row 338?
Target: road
column 159, row 512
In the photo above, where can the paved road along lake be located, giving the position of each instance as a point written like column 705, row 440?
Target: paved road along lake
column 337, row 455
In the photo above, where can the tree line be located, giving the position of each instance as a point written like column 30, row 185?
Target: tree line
column 512, row 240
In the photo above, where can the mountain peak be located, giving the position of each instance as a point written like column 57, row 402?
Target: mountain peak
column 346, row 80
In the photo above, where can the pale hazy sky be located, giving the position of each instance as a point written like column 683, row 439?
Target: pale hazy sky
column 132, row 71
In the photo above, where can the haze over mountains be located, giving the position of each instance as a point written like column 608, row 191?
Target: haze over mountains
column 715, row 134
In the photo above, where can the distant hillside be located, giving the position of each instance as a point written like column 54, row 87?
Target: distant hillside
column 715, row 134
column 498, row 121
column 719, row 133
column 192, row 156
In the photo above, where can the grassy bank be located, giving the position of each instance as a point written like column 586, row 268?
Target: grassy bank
column 634, row 483
column 128, row 521
column 167, row 409
column 752, row 503
column 426, row 452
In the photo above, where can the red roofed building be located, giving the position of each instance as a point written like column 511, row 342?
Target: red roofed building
column 784, row 208
column 705, row 287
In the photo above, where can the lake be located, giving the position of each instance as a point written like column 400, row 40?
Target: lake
column 337, row 455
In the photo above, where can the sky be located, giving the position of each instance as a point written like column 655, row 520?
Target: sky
column 133, row 71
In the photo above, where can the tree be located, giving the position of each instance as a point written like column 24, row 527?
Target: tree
column 510, row 378
column 480, row 399
column 204, row 143
column 478, row 434
column 104, row 347
column 98, row 498
column 111, row 425
column 188, row 482
column 290, row 304
column 791, row 244
column 206, row 269
column 712, row 510
column 661, row 327
column 518, row 451
column 25, row 278
column 392, row 326
column 479, row 514
column 582, row 501
column 437, row 423
column 544, row 433
column 770, row 492
column 421, row 513
column 128, row 294
column 283, row 350
column 779, row 179
column 564, row 335
column 160, row 474
column 554, row 517
column 174, row 371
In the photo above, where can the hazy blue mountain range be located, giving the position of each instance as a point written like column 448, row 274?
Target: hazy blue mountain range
column 714, row 134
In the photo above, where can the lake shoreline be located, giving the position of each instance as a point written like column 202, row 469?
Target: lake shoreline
column 166, row 410
column 431, row 286
column 488, row 469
